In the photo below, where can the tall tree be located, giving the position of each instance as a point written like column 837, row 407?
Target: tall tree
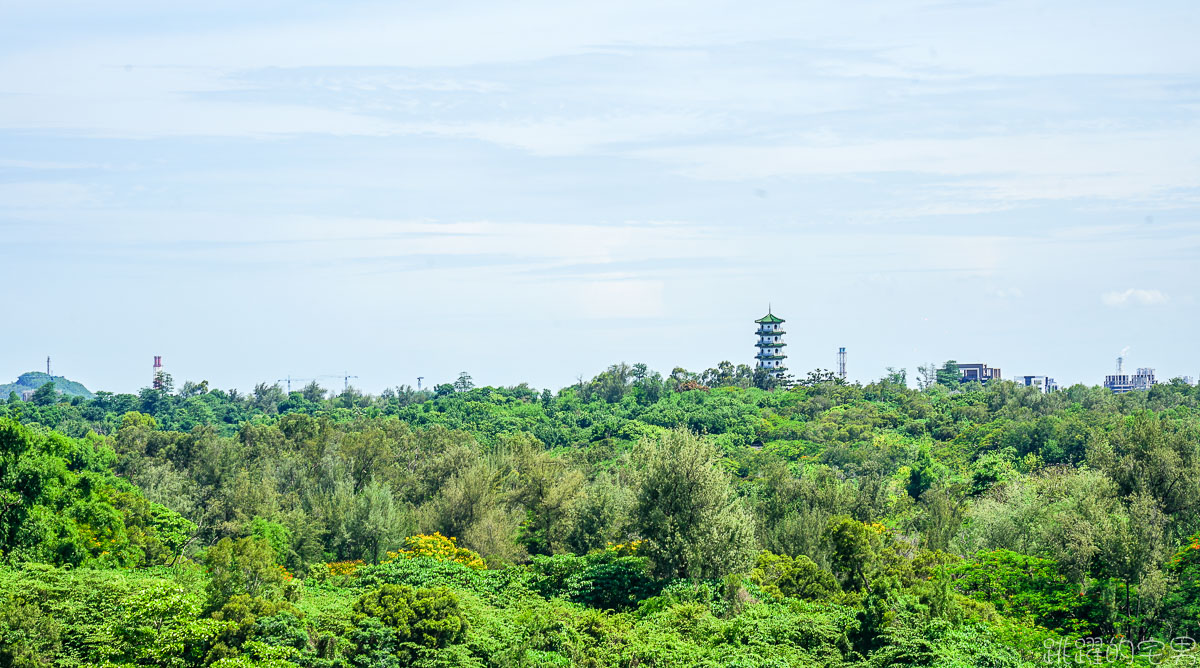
column 313, row 391
column 926, row 375
column 464, row 382
column 45, row 395
column 949, row 374
column 686, row 510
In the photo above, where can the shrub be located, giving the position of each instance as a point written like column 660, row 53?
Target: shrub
column 245, row 566
column 601, row 580
column 418, row 619
column 439, row 547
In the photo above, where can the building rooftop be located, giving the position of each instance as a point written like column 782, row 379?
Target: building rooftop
column 769, row 319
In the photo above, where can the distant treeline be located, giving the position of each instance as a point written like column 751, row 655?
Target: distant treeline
column 713, row 518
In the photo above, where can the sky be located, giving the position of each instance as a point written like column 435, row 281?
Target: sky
column 532, row 191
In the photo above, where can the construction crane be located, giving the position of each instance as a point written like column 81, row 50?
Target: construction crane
column 289, row 380
column 345, row 379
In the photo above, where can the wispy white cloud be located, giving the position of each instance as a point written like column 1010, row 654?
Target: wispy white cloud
column 49, row 165
column 49, row 195
column 618, row 298
column 1134, row 297
column 1008, row 292
column 1109, row 165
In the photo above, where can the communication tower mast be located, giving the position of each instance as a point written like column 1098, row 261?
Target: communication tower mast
column 158, row 373
column 841, row 363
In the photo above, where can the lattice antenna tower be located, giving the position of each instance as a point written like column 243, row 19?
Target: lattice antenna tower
column 841, row 363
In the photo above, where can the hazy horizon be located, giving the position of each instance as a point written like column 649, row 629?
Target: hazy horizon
column 533, row 193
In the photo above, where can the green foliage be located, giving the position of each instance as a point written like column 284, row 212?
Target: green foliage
column 603, row 580
column 62, row 505
column 418, row 619
column 28, row 637
column 246, row 567
column 45, row 395
column 35, row 380
column 1023, row 587
column 949, row 374
column 1183, row 602
column 243, row 616
column 277, row 536
column 799, row 577
column 943, row 645
column 852, row 548
column 686, row 511
column 118, row 616
column 612, row 523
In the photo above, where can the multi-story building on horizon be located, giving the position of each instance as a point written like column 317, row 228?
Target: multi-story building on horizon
column 981, row 373
column 1121, row 382
column 770, row 345
column 1044, row 383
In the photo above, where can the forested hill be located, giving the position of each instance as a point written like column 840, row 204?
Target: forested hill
column 34, row 379
column 632, row 520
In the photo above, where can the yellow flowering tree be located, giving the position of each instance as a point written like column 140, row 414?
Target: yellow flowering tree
column 437, row 546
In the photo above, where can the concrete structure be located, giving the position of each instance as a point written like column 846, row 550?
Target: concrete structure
column 157, row 382
column 1044, row 383
column 770, row 345
column 977, row 373
column 1189, row 380
column 1120, row 382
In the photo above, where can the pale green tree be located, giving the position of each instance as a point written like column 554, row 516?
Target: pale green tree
column 686, row 510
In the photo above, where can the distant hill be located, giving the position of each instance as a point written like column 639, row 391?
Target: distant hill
column 35, row 379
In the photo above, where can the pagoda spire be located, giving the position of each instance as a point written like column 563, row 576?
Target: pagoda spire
column 770, row 344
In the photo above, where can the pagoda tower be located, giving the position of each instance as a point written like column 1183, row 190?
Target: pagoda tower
column 770, row 345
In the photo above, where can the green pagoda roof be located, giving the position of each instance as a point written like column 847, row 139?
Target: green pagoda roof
column 769, row 319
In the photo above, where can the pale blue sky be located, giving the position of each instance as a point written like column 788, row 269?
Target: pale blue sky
column 531, row 191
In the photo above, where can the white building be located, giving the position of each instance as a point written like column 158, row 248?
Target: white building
column 1044, row 383
column 1121, row 383
column 770, row 345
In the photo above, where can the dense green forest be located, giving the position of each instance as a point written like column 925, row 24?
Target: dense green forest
column 631, row 520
